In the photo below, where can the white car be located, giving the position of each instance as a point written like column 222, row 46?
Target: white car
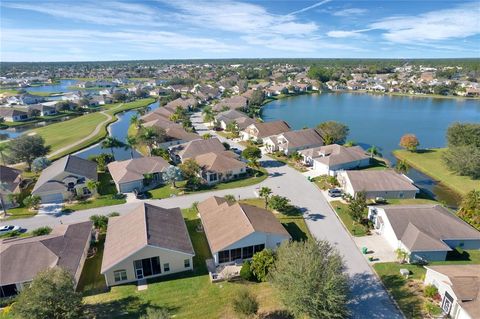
column 9, row 228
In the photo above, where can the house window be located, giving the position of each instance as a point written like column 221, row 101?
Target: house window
column 186, row 263
column 235, row 254
column 120, row 275
column 166, row 267
column 258, row 248
column 213, row 177
column 247, row 252
column 223, row 256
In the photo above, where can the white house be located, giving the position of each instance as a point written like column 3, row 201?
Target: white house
column 379, row 183
column 237, row 231
column 293, row 141
column 329, row 159
column 220, row 167
column 138, row 173
column 260, row 131
column 65, row 178
column 13, row 115
column 22, row 258
column 147, row 242
column 426, row 232
column 459, row 288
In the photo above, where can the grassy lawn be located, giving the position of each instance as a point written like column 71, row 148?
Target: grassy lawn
column 430, row 162
column 409, row 292
column 185, row 295
column 377, row 163
column 293, row 220
column 91, row 280
column 106, row 192
column 342, row 211
column 167, row 190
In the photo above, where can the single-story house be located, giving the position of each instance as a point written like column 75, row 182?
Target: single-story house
column 459, row 288
column 426, row 232
column 242, row 120
column 10, row 114
column 195, row 148
column 161, row 112
column 10, row 179
column 186, row 104
column 329, row 159
column 220, row 167
column 231, row 103
column 293, row 141
column 137, row 173
column 380, row 183
column 27, row 98
column 42, row 109
column 237, row 231
column 22, row 258
column 259, row 131
column 175, row 133
column 65, row 178
column 149, row 241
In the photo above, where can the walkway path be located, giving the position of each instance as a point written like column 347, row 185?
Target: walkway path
column 368, row 297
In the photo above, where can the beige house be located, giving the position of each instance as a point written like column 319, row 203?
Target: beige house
column 237, row 231
column 380, row 183
column 195, row 148
column 260, row 131
column 10, row 181
column 138, row 173
column 293, row 141
column 147, row 242
column 241, row 120
column 22, row 258
column 426, row 232
column 459, row 288
column 64, row 179
column 220, row 167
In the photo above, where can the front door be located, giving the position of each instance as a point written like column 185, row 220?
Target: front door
column 139, row 273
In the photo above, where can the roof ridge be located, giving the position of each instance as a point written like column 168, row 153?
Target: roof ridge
column 246, row 215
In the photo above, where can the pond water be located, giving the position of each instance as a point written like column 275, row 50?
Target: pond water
column 63, row 86
column 119, row 130
column 381, row 120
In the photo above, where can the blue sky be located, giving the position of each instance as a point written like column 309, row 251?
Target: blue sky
column 181, row 29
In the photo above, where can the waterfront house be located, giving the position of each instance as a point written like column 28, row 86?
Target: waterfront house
column 42, row 109
column 231, row 103
column 458, row 287
column 149, row 241
column 22, row 258
column 138, row 174
column 241, row 119
column 10, row 114
column 426, row 232
column 293, row 141
column 329, row 159
column 65, row 179
column 259, row 131
column 377, row 183
column 236, row 231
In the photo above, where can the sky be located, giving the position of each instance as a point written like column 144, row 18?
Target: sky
column 190, row 29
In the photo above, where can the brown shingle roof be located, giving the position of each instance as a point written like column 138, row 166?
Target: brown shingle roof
column 267, row 129
column 425, row 227
column 219, row 162
column 226, row 223
column 145, row 225
column 21, row 259
column 197, row 147
column 335, row 154
column 10, row 178
column 303, row 137
column 134, row 169
column 465, row 283
column 384, row 180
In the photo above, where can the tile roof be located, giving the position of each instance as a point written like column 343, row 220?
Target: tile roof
column 145, row 225
column 21, row 259
column 226, row 223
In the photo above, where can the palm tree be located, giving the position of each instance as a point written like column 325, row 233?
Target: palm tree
column 207, row 114
column 111, row 143
column 135, row 120
column 402, row 167
column 92, row 185
column 265, row 192
column 149, row 136
column 3, row 148
column 373, row 150
column 130, row 143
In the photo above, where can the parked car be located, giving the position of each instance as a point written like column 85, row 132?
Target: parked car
column 380, row 200
column 8, row 229
column 236, row 150
column 334, row 192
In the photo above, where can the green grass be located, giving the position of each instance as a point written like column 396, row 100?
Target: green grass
column 354, row 228
column 20, row 212
column 91, row 280
column 43, row 93
column 185, row 295
column 167, row 190
column 430, row 162
column 9, row 91
column 292, row 221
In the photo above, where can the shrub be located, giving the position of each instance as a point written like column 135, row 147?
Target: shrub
column 113, row 214
column 32, row 202
column 246, row 272
column 432, row 308
column 262, row 262
column 245, row 304
column 42, row 231
column 153, row 313
column 430, row 291
column 278, row 203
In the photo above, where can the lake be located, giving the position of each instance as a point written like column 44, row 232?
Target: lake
column 380, row 120
column 119, row 130
column 63, row 86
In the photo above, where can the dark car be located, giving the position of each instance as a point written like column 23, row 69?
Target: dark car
column 334, row 192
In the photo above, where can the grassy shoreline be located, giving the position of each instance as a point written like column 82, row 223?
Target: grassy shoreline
column 430, row 162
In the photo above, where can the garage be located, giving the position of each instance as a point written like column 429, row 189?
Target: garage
column 52, row 198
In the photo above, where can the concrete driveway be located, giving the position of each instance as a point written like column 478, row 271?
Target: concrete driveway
column 378, row 248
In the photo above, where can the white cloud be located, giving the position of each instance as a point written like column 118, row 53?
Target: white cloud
column 100, row 12
column 344, row 34
column 309, row 7
column 459, row 22
column 349, row 12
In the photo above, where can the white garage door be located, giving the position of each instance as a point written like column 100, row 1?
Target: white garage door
column 52, row 198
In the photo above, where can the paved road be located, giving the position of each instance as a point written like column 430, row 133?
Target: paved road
column 368, row 297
